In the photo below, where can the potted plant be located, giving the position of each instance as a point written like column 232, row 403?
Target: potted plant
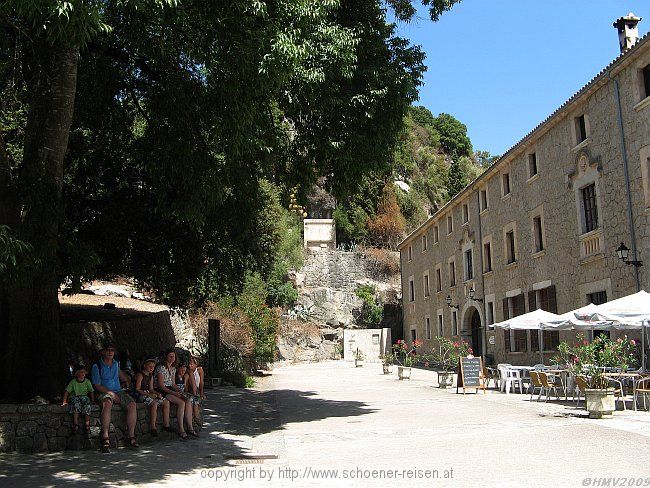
column 387, row 361
column 590, row 359
column 405, row 356
column 358, row 358
column 446, row 358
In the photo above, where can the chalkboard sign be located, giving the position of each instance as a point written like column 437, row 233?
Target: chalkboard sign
column 470, row 373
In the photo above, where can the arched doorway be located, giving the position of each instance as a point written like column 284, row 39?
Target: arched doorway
column 475, row 327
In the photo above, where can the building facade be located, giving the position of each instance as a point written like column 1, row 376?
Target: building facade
column 540, row 227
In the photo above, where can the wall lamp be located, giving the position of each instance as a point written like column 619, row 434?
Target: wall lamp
column 624, row 253
column 470, row 295
column 448, row 300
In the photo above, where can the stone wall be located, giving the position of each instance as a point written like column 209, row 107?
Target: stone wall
column 41, row 428
column 339, row 270
column 145, row 335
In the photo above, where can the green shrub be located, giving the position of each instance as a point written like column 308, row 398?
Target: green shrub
column 372, row 311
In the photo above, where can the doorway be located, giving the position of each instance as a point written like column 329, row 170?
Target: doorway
column 475, row 325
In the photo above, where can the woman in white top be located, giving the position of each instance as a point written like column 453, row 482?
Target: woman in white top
column 165, row 384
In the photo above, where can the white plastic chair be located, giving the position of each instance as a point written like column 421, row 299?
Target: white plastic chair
column 510, row 378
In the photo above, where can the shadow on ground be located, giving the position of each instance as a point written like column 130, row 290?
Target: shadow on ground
column 228, row 413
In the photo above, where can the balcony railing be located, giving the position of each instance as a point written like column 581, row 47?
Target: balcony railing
column 591, row 243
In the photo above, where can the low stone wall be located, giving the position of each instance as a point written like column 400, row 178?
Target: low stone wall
column 42, row 428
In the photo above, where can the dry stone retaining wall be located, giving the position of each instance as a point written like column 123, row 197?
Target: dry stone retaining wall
column 41, row 428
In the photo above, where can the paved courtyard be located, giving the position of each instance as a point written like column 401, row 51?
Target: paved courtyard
column 307, row 422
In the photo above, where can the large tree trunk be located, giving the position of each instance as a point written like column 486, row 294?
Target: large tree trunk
column 29, row 307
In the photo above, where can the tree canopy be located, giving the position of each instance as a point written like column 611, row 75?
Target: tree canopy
column 150, row 137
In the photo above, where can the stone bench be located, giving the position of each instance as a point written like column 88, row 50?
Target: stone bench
column 41, row 428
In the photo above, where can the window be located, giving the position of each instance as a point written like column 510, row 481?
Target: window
column 425, row 243
column 511, row 255
column 465, row 213
column 410, row 253
column 515, row 340
column 581, row 128
column 450, row 224
column 438, row 279
column 646, row 80
column 436, row 234
column 487, row 257
column 469, row 267
column 589, row 208
column 414, row 336
column 440, row 325
column 532, row 165
column 489, row 311
column 411, row 290
column 425, row 284
column 454, row 323
column 538, row 236
column 483, row 199
column 544, row 299
column 645, row 173
column 597, row 298
column 452, row 273
column 505, row 183
column 427, row 327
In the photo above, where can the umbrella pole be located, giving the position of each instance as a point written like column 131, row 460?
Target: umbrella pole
column 540, row 337
column 642, row 349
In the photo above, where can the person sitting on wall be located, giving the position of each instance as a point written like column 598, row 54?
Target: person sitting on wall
column 146, row 393
column 106, row 377
column 79, row 394
column 196, row 385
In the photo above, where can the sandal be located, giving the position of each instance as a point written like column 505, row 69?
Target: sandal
column 192, row 433
column 167, row 429
column 133, row 443
column 183, row 435
column 106, row 444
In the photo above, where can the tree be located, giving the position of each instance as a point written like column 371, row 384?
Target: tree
column 182, row 108
column 453, row 136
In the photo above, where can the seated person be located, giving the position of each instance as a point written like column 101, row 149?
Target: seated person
column 106, row 377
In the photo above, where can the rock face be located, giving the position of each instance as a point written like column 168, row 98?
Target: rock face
column 327, row 304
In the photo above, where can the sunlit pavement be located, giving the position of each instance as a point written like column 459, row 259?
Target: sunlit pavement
column 330, row 424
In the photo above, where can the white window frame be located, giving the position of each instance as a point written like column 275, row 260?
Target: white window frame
column 454, row 323
column 512, row 226
column 441, row 322
column 453, row 274
column 487, row 240
column 504, row 173
column 532, row 157
column 483, row 199
column 537, row 213
column 426, row 285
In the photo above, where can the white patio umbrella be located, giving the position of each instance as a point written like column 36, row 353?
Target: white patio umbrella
column 628, row 312
column 536, row 320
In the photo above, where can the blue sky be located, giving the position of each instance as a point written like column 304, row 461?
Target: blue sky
column 502, row 66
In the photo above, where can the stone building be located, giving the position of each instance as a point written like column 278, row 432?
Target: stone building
column 541, row 226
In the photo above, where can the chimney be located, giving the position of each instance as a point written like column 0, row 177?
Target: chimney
column 628, row 33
